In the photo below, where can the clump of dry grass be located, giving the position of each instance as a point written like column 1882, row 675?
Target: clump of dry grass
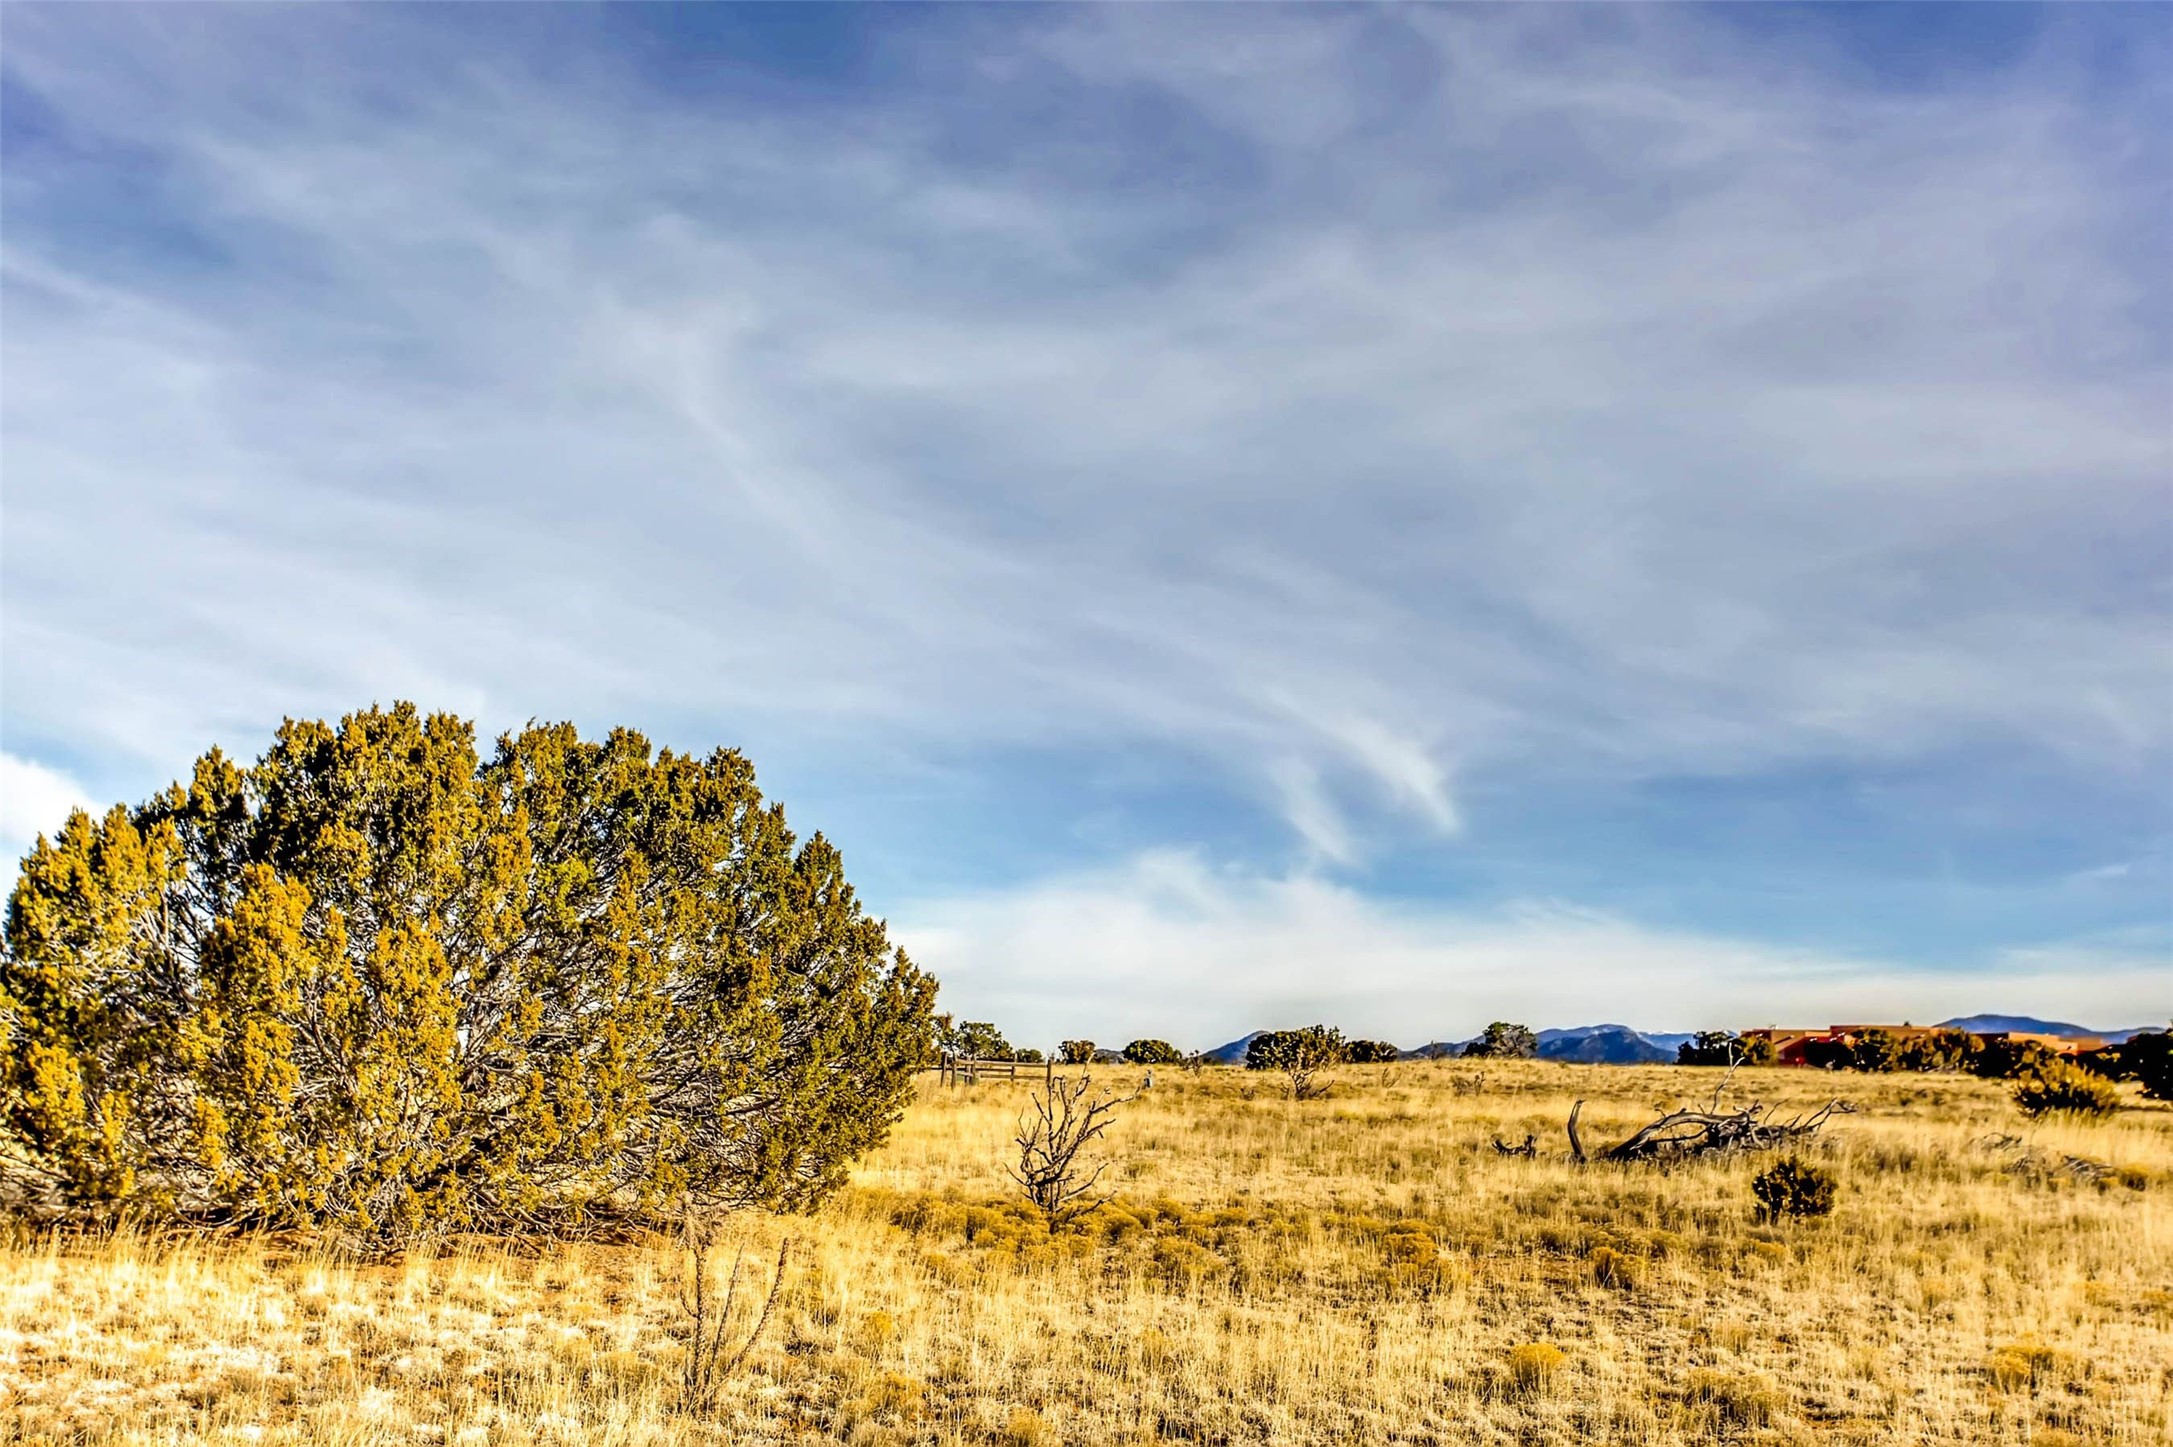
column 1359, row 1268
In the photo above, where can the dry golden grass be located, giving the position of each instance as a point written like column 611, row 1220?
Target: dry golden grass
column 1358, row 1269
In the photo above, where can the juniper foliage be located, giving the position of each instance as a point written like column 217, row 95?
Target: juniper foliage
column 378, row 983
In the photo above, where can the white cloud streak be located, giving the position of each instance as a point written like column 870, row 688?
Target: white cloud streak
column 1166, row 945
column 34, row 800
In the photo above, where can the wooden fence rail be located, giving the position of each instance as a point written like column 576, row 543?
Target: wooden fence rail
column 966, row 1070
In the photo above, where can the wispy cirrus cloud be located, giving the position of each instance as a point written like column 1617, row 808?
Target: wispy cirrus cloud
column 1375, row 415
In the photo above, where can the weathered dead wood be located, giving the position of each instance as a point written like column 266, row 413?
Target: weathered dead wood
column 2041, row 1164
column 1692, row 1132
column 1529, row 1150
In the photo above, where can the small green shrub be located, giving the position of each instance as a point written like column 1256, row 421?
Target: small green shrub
column 1793, row 1188
column 2024, row 1366
column 1731, row 1402
column 1183, row 1263
column 2058, row 1088
column 1027, row 1429
column 1612, row 1268
column 1534, row 1366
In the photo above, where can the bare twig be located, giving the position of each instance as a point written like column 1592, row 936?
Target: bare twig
column 1722, row 1089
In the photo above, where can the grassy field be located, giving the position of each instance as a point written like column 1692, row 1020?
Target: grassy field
column 1358, row 1269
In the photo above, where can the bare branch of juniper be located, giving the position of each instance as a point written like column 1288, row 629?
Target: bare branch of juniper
column 769, row 1304
column 1052, row 1139
column 709, row 1321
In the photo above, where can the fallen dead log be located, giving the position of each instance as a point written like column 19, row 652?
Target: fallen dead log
column 2041, row 1164
column 1693, row 1132
column 1529, row 1150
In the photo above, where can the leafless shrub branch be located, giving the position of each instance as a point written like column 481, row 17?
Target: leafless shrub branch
column 709, row 1321
column 1052, row 1139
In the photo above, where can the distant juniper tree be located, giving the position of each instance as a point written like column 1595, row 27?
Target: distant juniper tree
column 981, row 1040
column 1876, row 1051
column 2148, row 1058
column 1828, row 1054
column 1724, row 1047
column 1937, row 1050
column 1504, row 1041
column 1708, row 1047
column 1299, row 1054
column 1370, row 1052
column 1152, row 1052
column 1999, row 1059
column 1076, row 1052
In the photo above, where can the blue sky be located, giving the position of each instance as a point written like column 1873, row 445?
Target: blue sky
column 1230, row 516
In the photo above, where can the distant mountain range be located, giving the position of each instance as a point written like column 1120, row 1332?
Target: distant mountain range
column 1234, row 1052
column 1610, row 1045
column 1586, row 1044
column 1621, row 1045
column 1594, row 1044
column 2030, row 1025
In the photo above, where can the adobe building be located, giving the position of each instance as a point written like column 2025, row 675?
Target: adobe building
column 1792, row 1047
